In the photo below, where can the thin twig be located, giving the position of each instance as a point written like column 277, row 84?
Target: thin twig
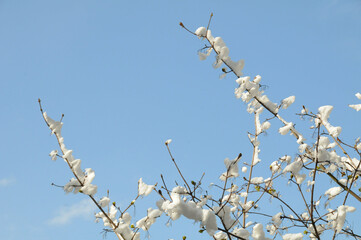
column 209, row 22
column 180, row 173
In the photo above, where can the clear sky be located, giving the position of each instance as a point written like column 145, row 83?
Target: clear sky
column 127, row 78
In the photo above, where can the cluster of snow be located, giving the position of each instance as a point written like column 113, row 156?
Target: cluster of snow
column 144, row 189
column 239, row 232
column 337, row 218
column 258, row 233
column 250, row 90
column 53, row 154
column 292, row 236
column 324, row 114
column 178, row 207
column 232, row 169
column 276, row 222
column 147, row 221
column 295, row 168
column 123, row 223
column 221, row 49
column 286, row 128
column 104, row 202
column 333, row 192
column 357, row 107
column 320, row 229
column 288, row 101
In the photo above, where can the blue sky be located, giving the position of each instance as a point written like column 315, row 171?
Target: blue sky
column 127, row 78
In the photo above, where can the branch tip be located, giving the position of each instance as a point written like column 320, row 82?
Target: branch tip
column 41, row 108
column 209, row 22
column 182, row 25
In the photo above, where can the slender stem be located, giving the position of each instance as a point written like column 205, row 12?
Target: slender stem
column 180, row 173
column 131, row 204
column 313, row 185
column 250, row 170
column 165, row 186
column 209, row 22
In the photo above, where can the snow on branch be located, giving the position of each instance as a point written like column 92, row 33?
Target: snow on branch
column 251, row 203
